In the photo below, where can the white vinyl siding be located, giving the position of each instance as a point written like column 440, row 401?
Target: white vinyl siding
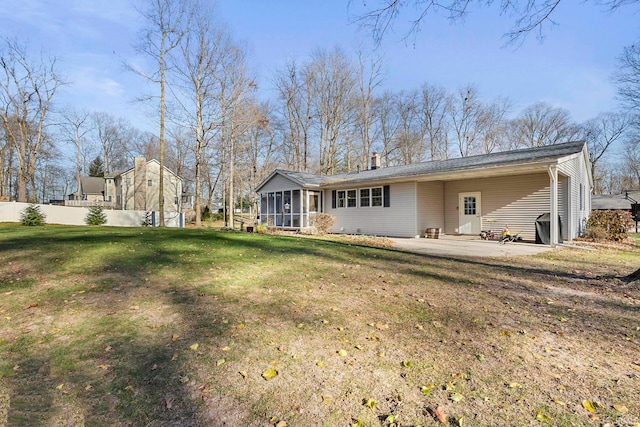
column 398, row 220
column 579, row 207
column 279, row 183
column 515, row 200
column 430, row 206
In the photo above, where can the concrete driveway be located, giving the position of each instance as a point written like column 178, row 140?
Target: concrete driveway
column 467, row 246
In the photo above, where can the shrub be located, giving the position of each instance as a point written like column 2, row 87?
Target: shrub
column 147, row 220
column 96, row 216
column 32, row 216
column 323, row 222
column 206, row 214
column 261, row 228
column 609, row 225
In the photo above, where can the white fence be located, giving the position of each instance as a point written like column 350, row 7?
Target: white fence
column 10, row 212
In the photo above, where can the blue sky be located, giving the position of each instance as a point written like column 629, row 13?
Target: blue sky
column 571, row 69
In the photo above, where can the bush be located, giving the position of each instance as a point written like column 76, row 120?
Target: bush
column 206, row 214
column 147, row 220
column 323, row 222
column 261, row 228
column 32, row 216
column 609, row 225
column 96, row 216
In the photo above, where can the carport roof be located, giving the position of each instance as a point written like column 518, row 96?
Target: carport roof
column 551, row 153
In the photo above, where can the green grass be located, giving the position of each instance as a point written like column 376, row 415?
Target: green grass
column 115, row 326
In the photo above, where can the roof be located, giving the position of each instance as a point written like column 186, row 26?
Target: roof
column 537, row 155
column 147, row 162
column 615, row 201
column 92, row 184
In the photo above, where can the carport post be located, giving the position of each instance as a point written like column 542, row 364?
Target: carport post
column 553, row 225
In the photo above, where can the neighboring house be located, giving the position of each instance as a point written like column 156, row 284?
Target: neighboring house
column 624, row 201
column 137, row 188
column 458, row 196
column 91, row 188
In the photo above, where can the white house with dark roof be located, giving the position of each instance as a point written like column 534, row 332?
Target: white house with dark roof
column 457, row 196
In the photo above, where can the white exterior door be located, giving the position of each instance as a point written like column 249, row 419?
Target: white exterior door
column 469, row 212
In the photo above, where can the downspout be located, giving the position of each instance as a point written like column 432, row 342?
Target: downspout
column 553, row 221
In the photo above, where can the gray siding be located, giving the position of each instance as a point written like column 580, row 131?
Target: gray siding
column 279, row 183
column 515, row 200
column 398, row 220
column 430, row 205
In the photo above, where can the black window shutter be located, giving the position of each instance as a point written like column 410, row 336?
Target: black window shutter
column 386, row 195
column 333, row 199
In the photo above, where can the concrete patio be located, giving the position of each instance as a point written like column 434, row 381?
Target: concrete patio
column 467, row 246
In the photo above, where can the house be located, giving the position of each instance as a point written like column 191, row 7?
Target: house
column 91, row 188
column 627, row 201
column 458, row 196
column 137, row 188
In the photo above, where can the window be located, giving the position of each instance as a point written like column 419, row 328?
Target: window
column 341, row 199
column 149, row 182
column 352, row 202
column 365, row 197
column 313, row 202
column 376, row 196
column 470, row 205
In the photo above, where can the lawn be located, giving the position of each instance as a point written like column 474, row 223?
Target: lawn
column 195, row 327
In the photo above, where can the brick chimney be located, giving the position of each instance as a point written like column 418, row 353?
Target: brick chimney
column 375, row 160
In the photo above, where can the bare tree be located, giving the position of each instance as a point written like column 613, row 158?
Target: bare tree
column 628, row 77
column 468, row 120
column 530, row 16
column 205, row 52
column 388, row 120
column 409, row 138
column 434, row 106
column 541, row 124
column 27, row 90
column 600, row 133
column 167, row 21
column 113, row 135
column 334, row 86
column 75, row 126
column 296, row 97
column 369, row 78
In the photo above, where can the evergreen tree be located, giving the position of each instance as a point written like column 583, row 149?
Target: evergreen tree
column 96, row 168
column 96, row 216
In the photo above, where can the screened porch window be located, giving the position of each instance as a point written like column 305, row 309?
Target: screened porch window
column 289, row 208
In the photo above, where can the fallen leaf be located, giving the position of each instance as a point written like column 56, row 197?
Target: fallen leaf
column 59, row 387
column 281, row 424
column 240, row 326
column 326, row 400
column 270, row 374
column 174, row 337
column 440, row 415
column 320, row 364
column 381, row 326
column 515, row 385
column 370, row 403
column 586, row 404
column 168, row 402
column 357, row 423
column 407, row 363
column 456, row 397
column 621, row 408
column 194, row 347
column 243, row 374
column 543, row 418
column 88, row 387
column 480, row 357
column 220, row 362
column 226, row 348
column 426, row 389
column 342, row 352
column 391, row 418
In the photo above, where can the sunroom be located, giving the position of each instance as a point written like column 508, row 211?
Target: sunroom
column 290, row 209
